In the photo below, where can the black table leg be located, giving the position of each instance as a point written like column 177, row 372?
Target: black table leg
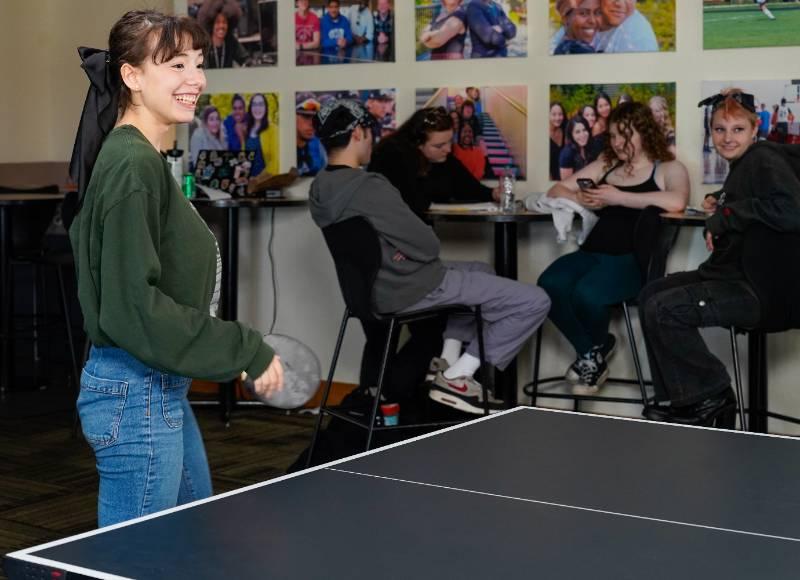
column 5, row 301
column 230, row 294
column 757, row 380
column 505, row 264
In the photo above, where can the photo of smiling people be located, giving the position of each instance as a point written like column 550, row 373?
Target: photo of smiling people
column 578, row 120
column 343, row 31
column 750, row 23
column 777, row 104
column 611, row 26
column 459, row 29
column 490, row 127
column 310, row 154
column 242, row 32
column 237, row 122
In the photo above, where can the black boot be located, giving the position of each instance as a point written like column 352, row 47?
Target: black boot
column 718, row 411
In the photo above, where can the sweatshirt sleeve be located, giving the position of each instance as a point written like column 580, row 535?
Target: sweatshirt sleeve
column 772, row 198
column 461, row 184
column 150, row 325
column 396, row 223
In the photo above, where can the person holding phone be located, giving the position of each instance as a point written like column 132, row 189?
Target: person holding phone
column 635, row 170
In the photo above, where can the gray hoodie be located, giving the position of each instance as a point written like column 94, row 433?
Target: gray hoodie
column 343, row 193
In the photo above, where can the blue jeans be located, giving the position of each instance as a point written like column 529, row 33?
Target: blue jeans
column 149, row 451
column 582, row 286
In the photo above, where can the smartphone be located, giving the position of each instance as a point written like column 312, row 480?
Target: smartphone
column 585, row 183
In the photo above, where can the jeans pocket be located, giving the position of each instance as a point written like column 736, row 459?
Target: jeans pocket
column 173, row 391
column 100, row 406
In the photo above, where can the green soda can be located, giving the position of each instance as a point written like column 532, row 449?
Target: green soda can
column 188, row 185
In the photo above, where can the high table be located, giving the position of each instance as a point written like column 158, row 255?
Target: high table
column 8, row 201
column 230, row 266
column 505, row 264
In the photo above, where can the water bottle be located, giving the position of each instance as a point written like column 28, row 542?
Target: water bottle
column 175, row 162
column 507, row 188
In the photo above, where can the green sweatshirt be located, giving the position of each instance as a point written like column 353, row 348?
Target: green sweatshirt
column 146, row 264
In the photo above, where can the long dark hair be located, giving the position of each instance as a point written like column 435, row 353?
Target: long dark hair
column 573, row 122
column 415, row 131
column 631, row 116
column 251, row 121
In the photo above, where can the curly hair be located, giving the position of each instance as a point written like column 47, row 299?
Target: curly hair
column 630, row 117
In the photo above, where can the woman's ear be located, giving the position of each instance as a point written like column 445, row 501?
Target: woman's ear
column 130, row 76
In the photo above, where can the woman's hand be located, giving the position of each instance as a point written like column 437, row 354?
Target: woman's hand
column 601, row 196
column 709, row 241
column 497, row 194
column 271, row 380
column 709, row 204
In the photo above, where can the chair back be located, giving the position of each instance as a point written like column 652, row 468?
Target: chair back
column 31, row 221
column 356, row 251
column 652, row 243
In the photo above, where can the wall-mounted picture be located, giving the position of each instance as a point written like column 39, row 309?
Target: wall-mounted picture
column 381, row 104
column 343, row 31
column 241, row 123
column 578, row 119
column 750, row 23
column 242, row 32
column 459, row 29
column 491, row 127
column 778, row 108
column 611, row 26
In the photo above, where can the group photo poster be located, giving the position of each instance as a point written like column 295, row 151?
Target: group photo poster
column 459, row 29
column 343, row 31
column 611, row 26
column 242, row 124
column 311, row 157
column 778, row 109
column 490, row 127
column 578, row 119
column 750, row 23
column 242, row 32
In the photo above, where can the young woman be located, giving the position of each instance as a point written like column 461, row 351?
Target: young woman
column 445, row 36
column 588, row 112
column 261, row 136
column 220, row 18
column 148, row 275
column 417, row 159
column 660, row 108
column 469, row 153
column 581, row 20
column 602, row 104
column 209, row 135
column 736, row 286
column 558, row 130
column 635, row 171
column 576, row 154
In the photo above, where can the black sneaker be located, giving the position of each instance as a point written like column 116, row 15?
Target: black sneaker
column 573, row 375
column 593, row 371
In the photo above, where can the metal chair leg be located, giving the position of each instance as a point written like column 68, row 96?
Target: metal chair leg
column 324, row 403
column 482, row 356
column 537, row 355
column 634, row 352
column 76, row 377
column 390, row 341
column 737, row 378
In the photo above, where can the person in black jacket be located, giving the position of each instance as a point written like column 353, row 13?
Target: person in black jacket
column 417, row 160
column 739, row 282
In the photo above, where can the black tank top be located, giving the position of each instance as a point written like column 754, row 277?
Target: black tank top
column 453, row 48
column 613, row 233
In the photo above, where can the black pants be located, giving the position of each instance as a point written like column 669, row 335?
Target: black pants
column 672, row 310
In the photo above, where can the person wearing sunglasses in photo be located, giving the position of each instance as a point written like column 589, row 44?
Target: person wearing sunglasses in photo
column 417, row 159
column 750, row 279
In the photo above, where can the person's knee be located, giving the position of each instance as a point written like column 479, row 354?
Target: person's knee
column 553, row 283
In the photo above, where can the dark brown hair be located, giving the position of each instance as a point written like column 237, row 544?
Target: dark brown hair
column 415, row 131
column 142, row 34
column 628, row 117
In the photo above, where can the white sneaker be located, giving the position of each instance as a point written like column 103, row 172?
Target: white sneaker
column 462, row 393
column 437, row 364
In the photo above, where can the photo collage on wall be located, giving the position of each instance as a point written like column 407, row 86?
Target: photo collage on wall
column 756, row 23
column 490, row 127
column 311, row 158
column 578, row 119
column 243, row 33
column 778, row 109
column 238, row 131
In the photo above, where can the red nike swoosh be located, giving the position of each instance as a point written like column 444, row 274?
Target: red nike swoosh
column 459, row 388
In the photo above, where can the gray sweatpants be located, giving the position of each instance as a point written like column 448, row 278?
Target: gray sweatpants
column 511, row 310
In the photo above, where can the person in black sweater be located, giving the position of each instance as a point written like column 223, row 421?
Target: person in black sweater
column 750, row 279
column 417, row 160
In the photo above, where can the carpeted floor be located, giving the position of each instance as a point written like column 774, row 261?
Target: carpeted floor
column 48, row 483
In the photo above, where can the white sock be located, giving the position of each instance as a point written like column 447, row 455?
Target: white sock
column 768, row 13
column 465, row 366
column 451, row 350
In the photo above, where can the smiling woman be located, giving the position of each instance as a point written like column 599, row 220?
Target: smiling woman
column 148, row 274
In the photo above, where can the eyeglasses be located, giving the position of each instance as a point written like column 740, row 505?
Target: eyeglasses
column 435, row 115
column 746, row 100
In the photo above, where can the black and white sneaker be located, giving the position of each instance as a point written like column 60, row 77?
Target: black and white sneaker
column 462, row 393
column 573, row 375
column 593, row 372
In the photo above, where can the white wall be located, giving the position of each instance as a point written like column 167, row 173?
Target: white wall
column 46, row 89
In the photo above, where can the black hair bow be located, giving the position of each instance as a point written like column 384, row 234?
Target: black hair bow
column 744, row 99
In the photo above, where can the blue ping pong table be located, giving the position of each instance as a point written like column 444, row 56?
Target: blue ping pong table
column 528, row 493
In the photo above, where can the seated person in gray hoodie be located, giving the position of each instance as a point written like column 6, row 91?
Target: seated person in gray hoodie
column 411, row 276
